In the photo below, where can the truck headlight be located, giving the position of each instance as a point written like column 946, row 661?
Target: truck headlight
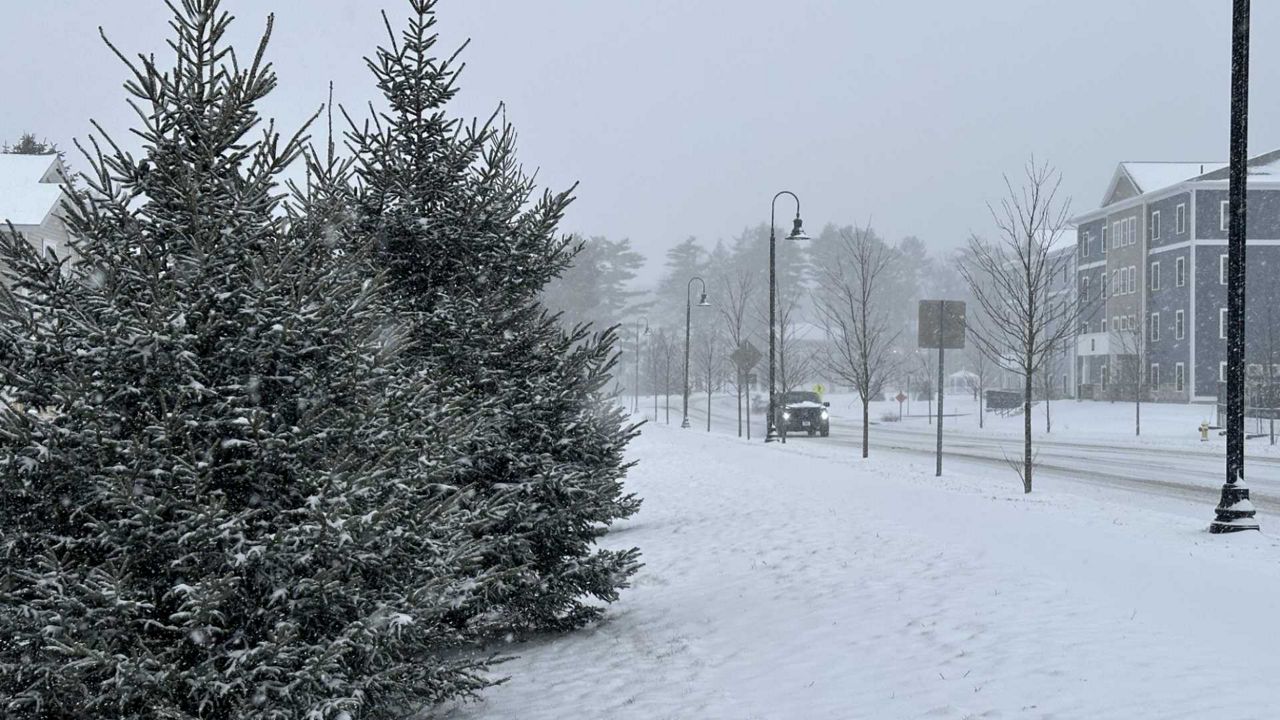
column 786, row 415
column 825, row 414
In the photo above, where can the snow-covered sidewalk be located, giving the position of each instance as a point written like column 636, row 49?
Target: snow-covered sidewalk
column 783, row 582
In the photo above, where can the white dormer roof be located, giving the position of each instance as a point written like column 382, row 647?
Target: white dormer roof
column 30, row 188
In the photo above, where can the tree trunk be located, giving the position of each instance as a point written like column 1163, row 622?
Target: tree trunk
column 1137, row 414
column 866, row 423
column 1048, row 422
column 1026, row 434
column 980, row 416
column 708, row 404
column 738, row 391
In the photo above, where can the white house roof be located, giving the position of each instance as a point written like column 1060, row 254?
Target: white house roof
column 29, row 188
column 1264, row 167
column 1153, row 176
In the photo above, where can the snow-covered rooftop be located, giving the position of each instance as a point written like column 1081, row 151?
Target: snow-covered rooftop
column 1153, row 176
column 29, row 188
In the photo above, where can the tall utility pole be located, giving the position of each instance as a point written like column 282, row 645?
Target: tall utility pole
column 1235, row 512
column 797, row 233
column 688, row 320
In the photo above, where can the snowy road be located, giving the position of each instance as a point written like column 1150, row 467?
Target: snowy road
column 1194, row 472
column 1176, row 473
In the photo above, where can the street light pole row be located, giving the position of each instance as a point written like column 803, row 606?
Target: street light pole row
column 688, row 317
column 797, row 233
column 1235, row 512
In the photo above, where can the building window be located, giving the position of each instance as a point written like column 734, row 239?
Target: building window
column 1179, row 377
column 1117, row 234
column 1153, row 377
column 1155, row 327
column 1222, row 269
column 1104, row 324
column 1116, row 287
column 1084, row 288
column 1133, row 230
column 1106, row 375
column 1084, row 244
column 1155, row 275
column 1103, row 244
column 1103, row 286
column 1180, row 272
column 1155, row 225
column 1179, row 325
column 1224, row 215
column 1222, row 323
column 1133, row 323
column 1222, row 371
column 1180, row 219
column 1133, row 279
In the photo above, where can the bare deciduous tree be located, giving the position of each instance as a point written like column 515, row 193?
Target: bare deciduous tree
column 662, row 354
column 1011, row 279
column 926, row 372
column 1133, row 364
column 739, row 290
column 709, row 361
column 1047, row 371
column 795, row 363
column 980, row 366
column 856, row 319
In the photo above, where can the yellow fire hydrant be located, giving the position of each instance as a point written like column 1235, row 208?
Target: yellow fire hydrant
column 1204, row 430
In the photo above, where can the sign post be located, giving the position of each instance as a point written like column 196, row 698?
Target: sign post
column 941, row 325
column 900, row 400
column 745, row 358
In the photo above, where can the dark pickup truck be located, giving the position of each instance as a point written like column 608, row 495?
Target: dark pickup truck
column 805, row 412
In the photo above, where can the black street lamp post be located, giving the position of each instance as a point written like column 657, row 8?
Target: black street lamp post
column 797, row 233
column 1235, row 512
column 635, row 403
column 688, row 317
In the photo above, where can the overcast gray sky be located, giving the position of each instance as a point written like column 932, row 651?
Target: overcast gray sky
column 683, row 118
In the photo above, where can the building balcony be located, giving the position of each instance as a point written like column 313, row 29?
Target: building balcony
column 1089, row 344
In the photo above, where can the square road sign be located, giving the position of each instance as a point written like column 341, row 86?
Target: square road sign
column 941, row 324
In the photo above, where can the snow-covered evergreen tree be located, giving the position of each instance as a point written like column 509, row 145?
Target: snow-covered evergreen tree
column 221, row 495
column 467, row 248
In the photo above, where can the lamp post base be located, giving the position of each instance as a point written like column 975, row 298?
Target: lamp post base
column 1235, row 513
column 684, row 423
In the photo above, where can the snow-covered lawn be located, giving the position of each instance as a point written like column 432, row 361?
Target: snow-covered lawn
column 797, row 582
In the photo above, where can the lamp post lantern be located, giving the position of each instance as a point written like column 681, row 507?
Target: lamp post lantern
column 635, row 402
column 688, row 317
column 1235, row 512
column 797, row 233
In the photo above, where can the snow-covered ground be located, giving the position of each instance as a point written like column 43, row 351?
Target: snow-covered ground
column 799, row 582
